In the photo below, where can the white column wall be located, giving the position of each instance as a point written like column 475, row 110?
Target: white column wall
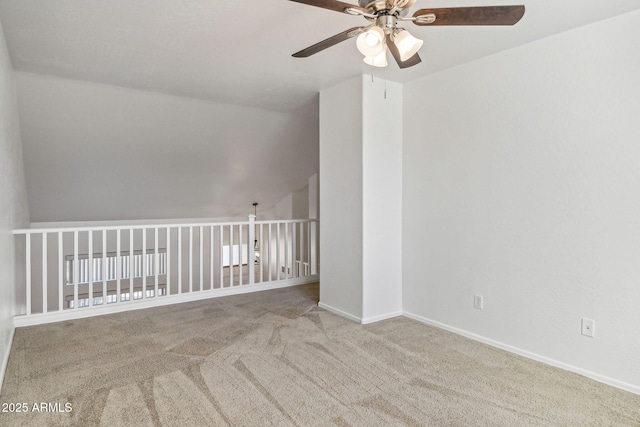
column 361, row 199
column 522, row 184
column 341, row 198
column 381, row 199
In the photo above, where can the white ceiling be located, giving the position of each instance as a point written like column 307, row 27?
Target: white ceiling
column 234, row 52
column 240, row 51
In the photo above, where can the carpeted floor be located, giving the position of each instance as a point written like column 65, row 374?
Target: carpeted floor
column 275, row 358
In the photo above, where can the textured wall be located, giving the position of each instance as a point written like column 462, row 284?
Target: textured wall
column 521, row 183
column 14, row 211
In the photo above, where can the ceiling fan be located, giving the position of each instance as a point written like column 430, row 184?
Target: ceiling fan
column 383, row 33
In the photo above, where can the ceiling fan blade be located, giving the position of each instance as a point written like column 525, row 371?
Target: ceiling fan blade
column 336, row 5
column 489, row 15
column 345, row 35
column 414, row 60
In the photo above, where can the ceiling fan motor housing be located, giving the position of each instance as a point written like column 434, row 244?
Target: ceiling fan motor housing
column 375, row 5
column 387, row 23
column 387, row 7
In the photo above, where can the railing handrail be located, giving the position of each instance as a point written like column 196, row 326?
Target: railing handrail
column 152, row 226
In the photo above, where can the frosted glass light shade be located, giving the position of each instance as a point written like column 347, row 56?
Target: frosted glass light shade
column 379, row 60
column 371, row 42
column 407, row 44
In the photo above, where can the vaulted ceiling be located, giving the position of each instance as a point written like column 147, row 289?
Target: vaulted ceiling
column 174, row 108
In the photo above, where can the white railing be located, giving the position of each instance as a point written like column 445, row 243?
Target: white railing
column 78, row 272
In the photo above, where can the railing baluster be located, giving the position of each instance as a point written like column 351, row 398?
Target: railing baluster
column 294, row 261
column 240, row 254
column 260, row 259
column 278, row 266
column 211, row 257
column 309, row 248
column 84, row 273
column 28, row 272
column 220, row 254
column 104, row 267
column 190, row 259
column 287, row 266
column 143, row 261
column 179, row 260
column 302, row 249
column 131, row 258
column 201, row 258
column 76, row 269
column 287, row 250
column 136, row 264
column 231, row 256
column 44, row 272
column 168, row 268
column 60, row 273
column 269, row 254
column 156, row 261
column 118, row 266
column 90, row 266
column 307, row 245
column 251, row 260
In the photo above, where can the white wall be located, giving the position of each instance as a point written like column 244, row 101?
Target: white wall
column 382, row 199
column 14, row 211
column 522, row 183
column 284, row 208
column 294, row 205
column 300, row 204
column 341, row 197
column 361, row 198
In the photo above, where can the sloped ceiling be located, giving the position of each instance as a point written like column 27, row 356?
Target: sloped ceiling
column 96, row 152
column 136, row 109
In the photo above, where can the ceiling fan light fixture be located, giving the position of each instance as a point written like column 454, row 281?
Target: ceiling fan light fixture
column 379, row 60
column 371, row 42
column 407, row 44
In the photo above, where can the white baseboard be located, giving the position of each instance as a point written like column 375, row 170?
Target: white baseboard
column 5, row 357
column 567, row 367
column 361, row 320
column 80, row 313
column 367, row 320
column 339, row 312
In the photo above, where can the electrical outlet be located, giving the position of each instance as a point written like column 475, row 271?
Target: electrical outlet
column 588, row 327
column 478, row 302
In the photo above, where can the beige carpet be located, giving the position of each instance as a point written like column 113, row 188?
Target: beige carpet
column 275, row 358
